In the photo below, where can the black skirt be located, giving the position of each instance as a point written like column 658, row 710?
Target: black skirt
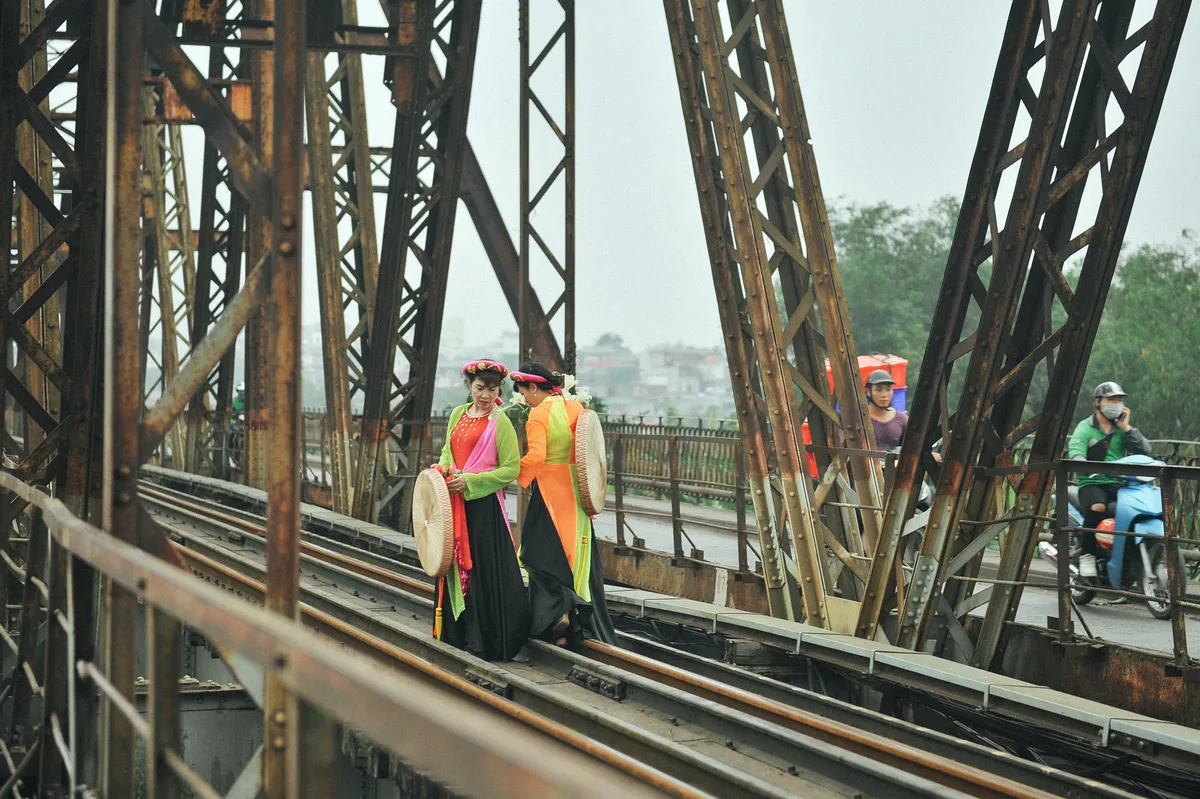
column 495, row 623
column 551, row 583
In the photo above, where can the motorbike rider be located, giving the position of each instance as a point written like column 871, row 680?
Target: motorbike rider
column 890, row 424
column 1106, row 435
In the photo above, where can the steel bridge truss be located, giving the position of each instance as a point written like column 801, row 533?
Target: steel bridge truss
column 766, row 225
column 1069, row 121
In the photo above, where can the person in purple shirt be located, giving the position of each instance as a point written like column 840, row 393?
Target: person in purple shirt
column 889, row 423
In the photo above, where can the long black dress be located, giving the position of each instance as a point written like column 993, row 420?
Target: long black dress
column 551, row 583
column 495, row 623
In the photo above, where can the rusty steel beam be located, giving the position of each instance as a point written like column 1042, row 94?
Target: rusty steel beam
column 38, row 145
column 414, row 27
column 10, row 76
column 162, row 292
column 959, row 286
column 541, row 238
column 258, row 246
column 282, row 312
column 425, row 173
column 216, row 117
column 1141, row 104
column 1011, row 249
column 46, row 236
column 1066, row 144
column 782, row 592
column 55, row 277
column 1046, row 292
column 345, row 239
column 123, row 184
column 736, row 80
column 82, row 358
column 219, row 252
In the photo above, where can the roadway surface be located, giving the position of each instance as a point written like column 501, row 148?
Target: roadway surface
column 1129, row 624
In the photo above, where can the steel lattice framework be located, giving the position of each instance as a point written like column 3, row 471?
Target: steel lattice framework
column 1007, row 274
column 112, row 273
column 765, row 218
column 430, row 144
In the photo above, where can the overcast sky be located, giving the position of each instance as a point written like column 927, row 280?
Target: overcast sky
column 894, row 94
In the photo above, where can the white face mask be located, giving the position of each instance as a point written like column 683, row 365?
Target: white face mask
column 1113, row 410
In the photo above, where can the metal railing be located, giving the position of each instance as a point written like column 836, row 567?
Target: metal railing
column 1170, row 479
column 697, row 461
column 44, row 751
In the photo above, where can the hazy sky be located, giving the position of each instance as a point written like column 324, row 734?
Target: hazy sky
column 894, row 94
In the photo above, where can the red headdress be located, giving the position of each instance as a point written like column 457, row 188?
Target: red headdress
column 527, row 377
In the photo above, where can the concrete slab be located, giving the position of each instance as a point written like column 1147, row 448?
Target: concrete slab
column 1091, row 720
column 928, row 672
column 846, row 650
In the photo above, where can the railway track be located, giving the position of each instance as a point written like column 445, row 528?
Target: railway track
column 687, row 732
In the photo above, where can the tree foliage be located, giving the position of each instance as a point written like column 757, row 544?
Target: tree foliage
column 892, row 260
column 1148, row 339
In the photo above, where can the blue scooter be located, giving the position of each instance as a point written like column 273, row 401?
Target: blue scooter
column 1132, row 563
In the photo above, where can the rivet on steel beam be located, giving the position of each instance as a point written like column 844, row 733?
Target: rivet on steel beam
column 287, row 248
column 123, row 471
column 278, row 742
column 280, row 717
column 287, row 221
column 123, row 498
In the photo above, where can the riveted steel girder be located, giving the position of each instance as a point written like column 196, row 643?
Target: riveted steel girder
column 344, row 234
column 764, row 213
column 1009, row 279
column 426, row 170
column 547, row 230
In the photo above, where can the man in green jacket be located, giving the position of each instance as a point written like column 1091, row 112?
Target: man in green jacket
column 1106, row 435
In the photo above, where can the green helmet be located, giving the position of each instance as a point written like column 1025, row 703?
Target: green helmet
column 879, row 377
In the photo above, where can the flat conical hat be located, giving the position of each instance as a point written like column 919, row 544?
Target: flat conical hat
column 591, row 463
column 433, row 523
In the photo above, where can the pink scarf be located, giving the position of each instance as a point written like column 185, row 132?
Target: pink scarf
column 484, row 459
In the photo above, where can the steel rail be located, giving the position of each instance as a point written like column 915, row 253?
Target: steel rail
column 334, row 618
column 944, row 769
column 357, row 640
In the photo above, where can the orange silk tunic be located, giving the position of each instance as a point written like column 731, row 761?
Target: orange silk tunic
column 550, row 459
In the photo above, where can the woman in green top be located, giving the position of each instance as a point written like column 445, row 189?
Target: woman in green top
column 482, row 604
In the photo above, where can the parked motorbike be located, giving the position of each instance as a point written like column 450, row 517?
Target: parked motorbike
column 1132, row 563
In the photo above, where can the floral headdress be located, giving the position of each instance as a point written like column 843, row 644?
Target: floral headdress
column 485, row 365
column 570, row 386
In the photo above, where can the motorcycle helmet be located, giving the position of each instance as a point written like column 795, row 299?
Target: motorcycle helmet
column 879, row 377
column 1108, row 389
column 1105, row 539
